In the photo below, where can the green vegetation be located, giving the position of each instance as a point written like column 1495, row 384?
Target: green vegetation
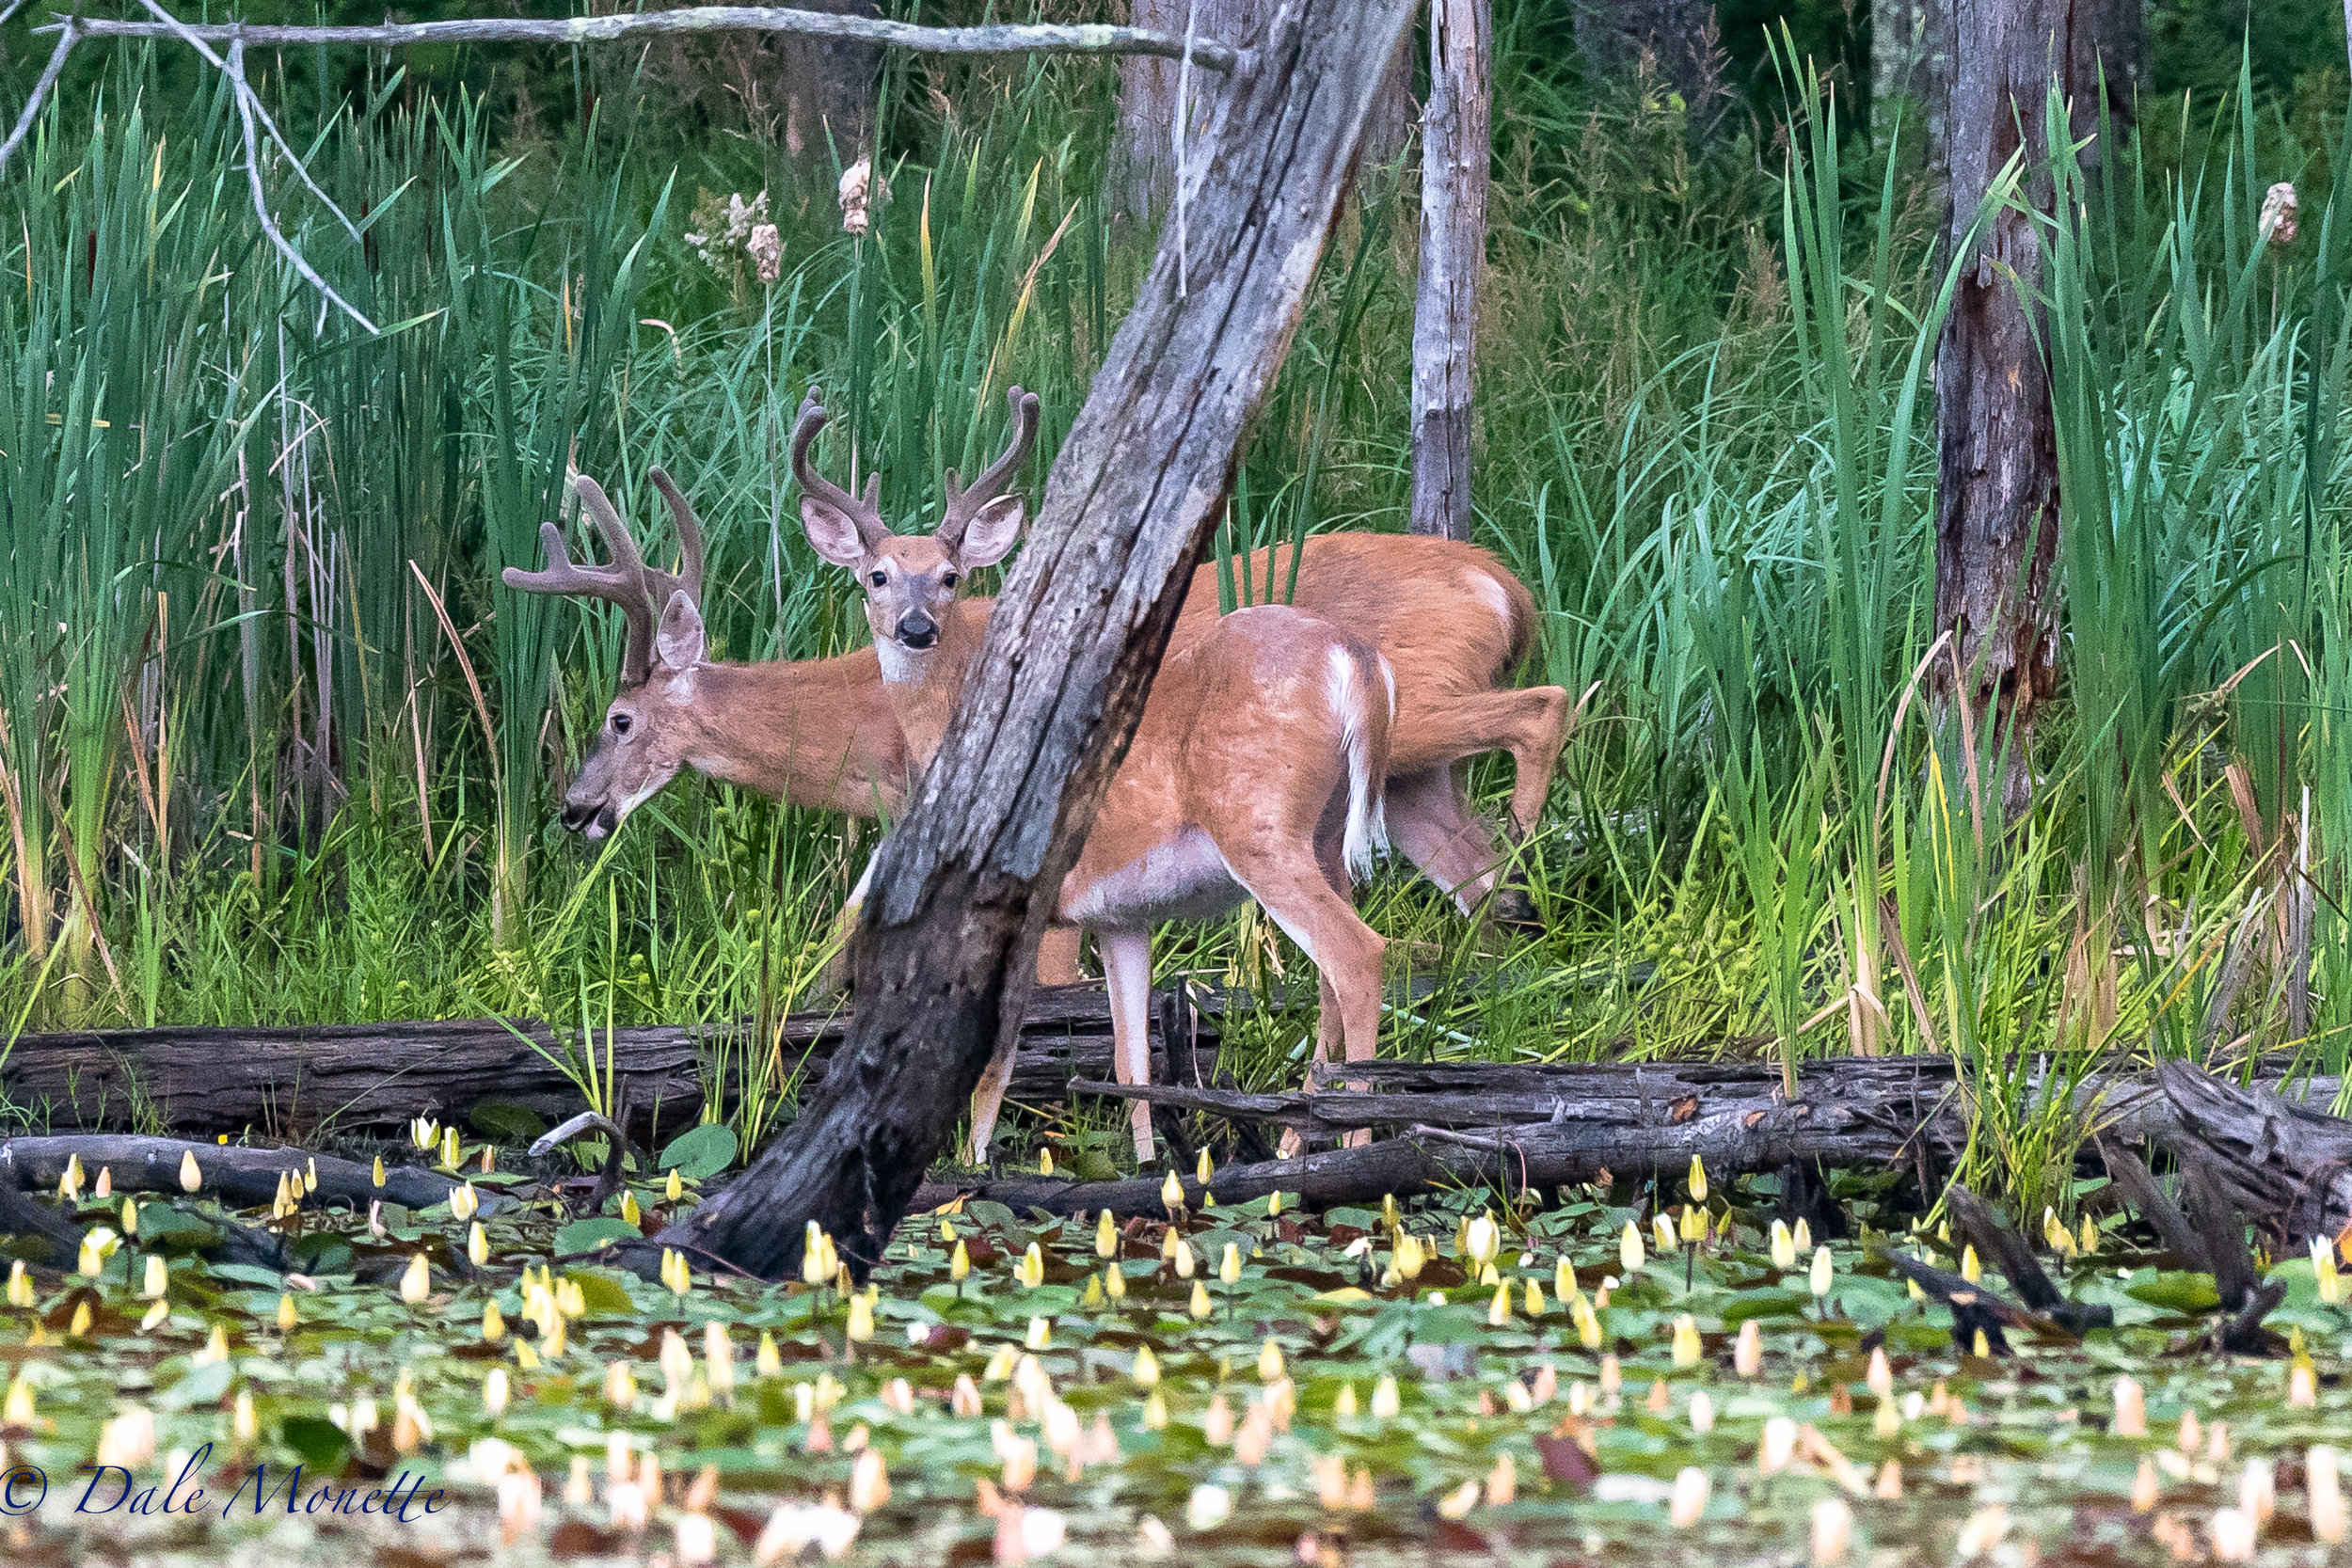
column 288, row 753
column 274, row 748
column 1256, row 1382
column 249, row 778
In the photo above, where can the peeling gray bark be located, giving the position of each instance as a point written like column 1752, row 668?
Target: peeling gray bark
column 1997, row 500
column 1456, row 147
column 942, row 960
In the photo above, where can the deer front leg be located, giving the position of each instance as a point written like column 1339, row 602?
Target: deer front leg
column 988, row 1097
column 1127, row 969
column 1431, row 824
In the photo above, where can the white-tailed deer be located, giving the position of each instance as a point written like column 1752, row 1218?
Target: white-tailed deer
column 1452, row 621
column 1255, row 770
column 795, row 730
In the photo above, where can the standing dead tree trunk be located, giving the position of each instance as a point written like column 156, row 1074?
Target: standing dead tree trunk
column 1997, row 503
column 1457, row 145
column 942, row 958
column 828, row 87
column 1910, row 74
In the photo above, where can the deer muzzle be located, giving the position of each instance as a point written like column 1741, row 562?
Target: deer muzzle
column 595, row 819
column 917, row 631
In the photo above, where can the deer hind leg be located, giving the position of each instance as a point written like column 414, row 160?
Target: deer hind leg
column 1531, row 725
column 1310, row 904
column 1127, row 969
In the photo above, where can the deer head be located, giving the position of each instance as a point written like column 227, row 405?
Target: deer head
column 642, row 745
column 910, row 580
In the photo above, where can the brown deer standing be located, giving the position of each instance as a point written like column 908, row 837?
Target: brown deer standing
column 1451, row 620
column 1255, row 772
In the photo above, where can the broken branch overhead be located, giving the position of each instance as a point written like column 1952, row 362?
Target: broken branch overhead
column 1037, row 39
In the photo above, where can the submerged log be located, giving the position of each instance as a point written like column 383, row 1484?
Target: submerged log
column 240, row 1177
column 304, row 1082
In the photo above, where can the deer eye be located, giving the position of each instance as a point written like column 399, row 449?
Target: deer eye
column 880, row 577
column 949, row 579
column 619, row 724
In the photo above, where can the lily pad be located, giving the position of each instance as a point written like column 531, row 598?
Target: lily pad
column 702, row 1152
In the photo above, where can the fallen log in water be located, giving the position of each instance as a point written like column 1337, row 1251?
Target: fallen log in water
column 303, row 1081
column 238, row 1177
column 2286, row 1166
column 1852, row 1091
column 1569, row 1123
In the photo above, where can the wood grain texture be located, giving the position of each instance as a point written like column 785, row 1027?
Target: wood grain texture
column 1208, row 52
column 2286, row 1166
column 1997, row 495
column 1639, row 1120
column 308, row 1083
column 240, row 1177
column 950, row 930
column 1456, row 146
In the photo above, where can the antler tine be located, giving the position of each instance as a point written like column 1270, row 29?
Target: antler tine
column 627, row 561
column 562, row 573
column 690, row 533
column 965, row 504
column 638, row 590
column 865, row 513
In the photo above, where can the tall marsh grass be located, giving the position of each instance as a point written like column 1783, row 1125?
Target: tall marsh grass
column 276, row 748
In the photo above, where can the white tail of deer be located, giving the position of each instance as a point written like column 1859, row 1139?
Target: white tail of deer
column 1256, row 770
column 1451, row 623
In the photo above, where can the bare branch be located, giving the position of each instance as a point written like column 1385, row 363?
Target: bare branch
column 247, row 101
column 1022, row 40
column 245, row 113
column 66, row 34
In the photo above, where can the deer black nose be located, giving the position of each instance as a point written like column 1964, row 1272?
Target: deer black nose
column 917, row 631
column 577, row 816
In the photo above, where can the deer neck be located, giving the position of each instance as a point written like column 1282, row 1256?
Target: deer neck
column 923, row 686
column 786, row 729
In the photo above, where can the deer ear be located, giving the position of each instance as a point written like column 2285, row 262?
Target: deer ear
column 993, row 530
column 679, row 643
column 832, row 533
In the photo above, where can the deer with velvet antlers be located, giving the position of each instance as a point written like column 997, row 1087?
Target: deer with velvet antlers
column 1451, row 620
column 1255, row 772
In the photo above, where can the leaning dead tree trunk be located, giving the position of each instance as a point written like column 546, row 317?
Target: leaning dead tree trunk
column 944, row 952
column 1455, row 150
column 1151, row 88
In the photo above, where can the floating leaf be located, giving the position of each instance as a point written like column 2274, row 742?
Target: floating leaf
column 588, row 1234
column 321, row 1444
column 701, row 1152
